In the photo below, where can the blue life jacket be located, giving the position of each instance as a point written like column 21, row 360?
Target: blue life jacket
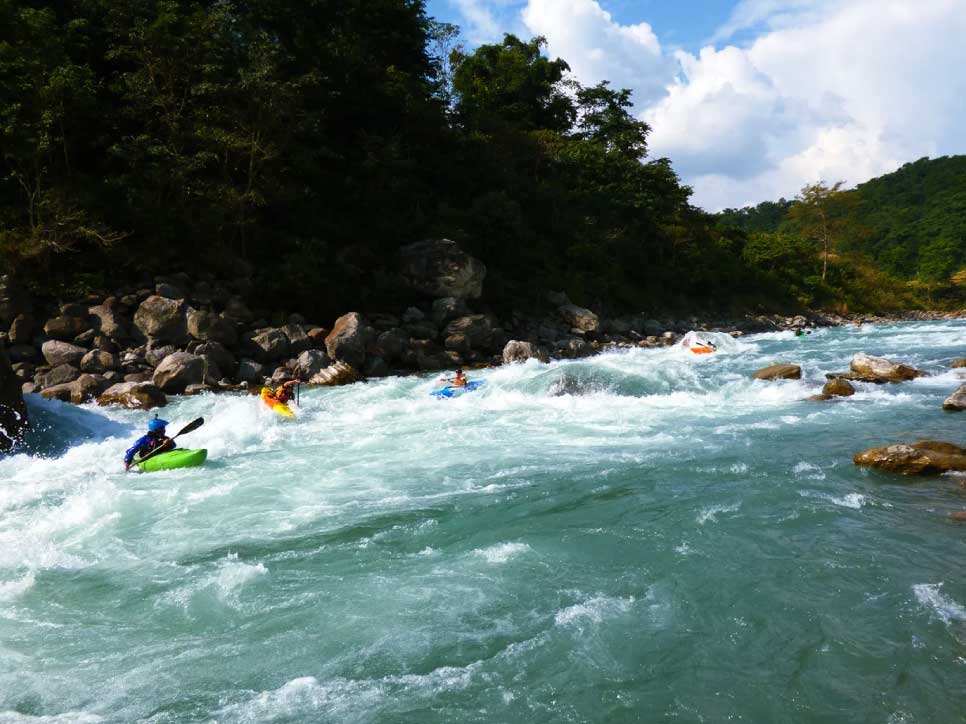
column 145, row 445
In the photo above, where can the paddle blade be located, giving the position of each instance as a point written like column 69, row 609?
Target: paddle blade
column 191, row 426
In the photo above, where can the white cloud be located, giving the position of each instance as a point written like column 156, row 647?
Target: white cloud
column 847, row 94
column 598, row 48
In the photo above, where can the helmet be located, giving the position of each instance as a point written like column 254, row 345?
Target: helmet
column 157, row 424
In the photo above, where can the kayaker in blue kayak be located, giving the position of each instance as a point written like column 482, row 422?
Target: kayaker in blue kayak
column 147, row 444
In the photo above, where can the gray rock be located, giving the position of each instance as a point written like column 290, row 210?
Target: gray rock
column 376, row 367
column 779, row 372
column 879, row 369
column 155, row 354
column 440, row 268
column 574, row 348
column 579, row 318
column 926, row 457
column 65, row 328
column 449, row 308
column 99, row 361
column 338, row 373
column 298, row 338
column 838, row 388
column 519, row 351
column 133, row 395
column 84, row 389
column 178, row 370
column 162, row 319
column 61, row 353
column 957, row 401
column 311, row 362
column 476, row 328
column 347, row 340
column 251, row 371
column 209, row 327
column 219, row 356
column 269, row 345
column 392, row 345
column 109, row 320
column 21, row 330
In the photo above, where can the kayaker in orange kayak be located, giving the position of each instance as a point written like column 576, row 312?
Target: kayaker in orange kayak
column 283, row 393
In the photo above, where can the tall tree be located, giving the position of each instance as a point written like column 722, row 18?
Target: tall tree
column 821, row 215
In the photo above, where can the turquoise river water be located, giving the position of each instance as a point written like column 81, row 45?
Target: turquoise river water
column 641, row 536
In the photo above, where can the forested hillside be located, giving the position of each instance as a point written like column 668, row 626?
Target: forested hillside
column 311, row 141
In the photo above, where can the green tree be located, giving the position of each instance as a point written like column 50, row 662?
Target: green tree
column 821, row 214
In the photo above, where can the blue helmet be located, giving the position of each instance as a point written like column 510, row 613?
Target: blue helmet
column 157, row 424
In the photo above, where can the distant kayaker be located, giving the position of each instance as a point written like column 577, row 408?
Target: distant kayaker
column 156, row 439
column 459, row 381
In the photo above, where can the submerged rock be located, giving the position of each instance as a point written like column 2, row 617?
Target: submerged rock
column 779, row 372
column 959, row 363
column 926, row 457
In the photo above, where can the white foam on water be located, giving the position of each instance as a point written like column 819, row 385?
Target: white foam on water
column 711, row 513
column 502, row 553
column 930, row 595
column 70, row 717
column 10, row 590
column 233, row 575
column 808, row 471
column 854, row 501
column 593, row 610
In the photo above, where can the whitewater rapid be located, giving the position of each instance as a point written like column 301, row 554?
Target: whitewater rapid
column 642, row 535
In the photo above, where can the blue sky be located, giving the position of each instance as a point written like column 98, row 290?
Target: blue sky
column 753, row 99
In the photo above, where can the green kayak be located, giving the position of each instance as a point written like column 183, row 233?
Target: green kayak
column 175, row 459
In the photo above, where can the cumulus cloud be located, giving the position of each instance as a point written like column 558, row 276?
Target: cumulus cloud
column 846, row 94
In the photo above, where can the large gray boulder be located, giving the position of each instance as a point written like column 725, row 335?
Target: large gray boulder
column 62, row 353
column 518, row 351
column 440, row 268
column 134, row 395
column 162, row 319
column 338, row 373
column 579, row 318
column 779, row 372
column 13, row 411
column 209, row 327
column 109, row 320
column 298, row 338
column 879, row 369
column 99, row 361
column 347, row 340
column 476, row 329
column 251, row 371
column 392, row 345
column 956, row 402
column 84, row 389
column 178, row 370
column 218, row 355
column 59, row 375
column 311, row 362
column 269, row 345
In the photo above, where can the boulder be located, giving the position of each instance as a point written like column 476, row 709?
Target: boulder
column 162, row 319
column 269, row 345
column 21, row 330
column 519, row 351
column 218, row 355
column 347, row 340
column 477, row 329
column 133, row 395
column 956, row 402
column 13, row 411
column 178, row 370
column 926, row 457
column 99, row 361
column 251, row 371
column 61, row 353
column 579, row 318
column 391, row 345
column 779, row 372
column 59, row 375
column 108, row 319
column 236, row 311
column 65, row 328
column 879, row 369
column 311, row 362
column 169, row 290
column 457, row 343
column 84, row 389
column 155, row 354
column 209, row 327
column 957, row 364
column 338, row 373
column 838, row 388
column 298, row 338
column 959, row 516
column 104, row 343
column 440, row 268
column 449, row 308
column 573, row 348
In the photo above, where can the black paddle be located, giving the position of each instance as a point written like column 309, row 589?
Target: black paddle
column 190, row 427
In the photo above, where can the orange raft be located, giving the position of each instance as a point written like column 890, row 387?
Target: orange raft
column 276, row 406
column 702, row 350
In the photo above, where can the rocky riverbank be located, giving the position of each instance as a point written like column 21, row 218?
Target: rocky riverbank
column 178, row 334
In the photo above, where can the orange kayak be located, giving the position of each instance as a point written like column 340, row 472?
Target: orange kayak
column 702, row 350
column 279, row 407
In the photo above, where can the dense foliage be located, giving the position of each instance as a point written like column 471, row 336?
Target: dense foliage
column 310, row 139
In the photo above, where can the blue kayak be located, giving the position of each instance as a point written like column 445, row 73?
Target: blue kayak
column 452, row 391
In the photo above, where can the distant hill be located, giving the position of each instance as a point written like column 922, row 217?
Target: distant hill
column 898, row 215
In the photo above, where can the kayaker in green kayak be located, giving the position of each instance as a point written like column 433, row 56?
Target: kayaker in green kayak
column 153, row 441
